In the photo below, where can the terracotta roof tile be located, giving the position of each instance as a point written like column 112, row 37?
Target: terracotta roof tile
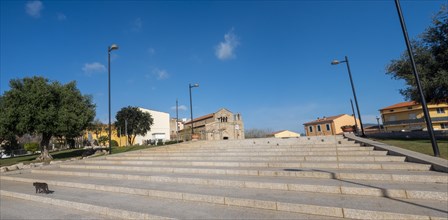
column 400, row 105
column 323, row 120
column 201, row 118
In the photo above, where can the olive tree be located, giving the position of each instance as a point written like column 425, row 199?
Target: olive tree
column 37, row 105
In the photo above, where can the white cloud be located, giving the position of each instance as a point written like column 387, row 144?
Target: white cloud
column 95, row 67
column 226, row 50
column 33, row 8
column 180, row 107
column 61, row 17
column 136, row 25
column 161, row 74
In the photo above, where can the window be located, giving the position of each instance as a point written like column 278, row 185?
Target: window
column 440, row 110
column 311, row 129
column 392, row 118
column 318, row 128
column 444, row 125
column 412, row 116
column 328, row 127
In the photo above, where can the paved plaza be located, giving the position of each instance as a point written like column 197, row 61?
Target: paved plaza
column 299, row 178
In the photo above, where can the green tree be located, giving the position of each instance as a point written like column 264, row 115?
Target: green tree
column 103, row 140
column 138, row 122
column 37, row 106
column 431, row 58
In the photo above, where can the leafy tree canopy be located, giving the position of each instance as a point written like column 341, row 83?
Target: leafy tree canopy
column 431, row 57
column 37, row 106
column 138, row 122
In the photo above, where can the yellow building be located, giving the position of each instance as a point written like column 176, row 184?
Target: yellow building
column 285, row 134
column 329, row 125
column 104, row 131
column 408, row 116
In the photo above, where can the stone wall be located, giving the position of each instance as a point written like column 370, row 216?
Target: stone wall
column 440, row 135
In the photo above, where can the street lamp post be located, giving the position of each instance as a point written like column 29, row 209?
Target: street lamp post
column 354, row 116
column 378, row 121
column 111, row 47
column 335, row 62
column 177, row 121
column 435, row 147
column 191, row 108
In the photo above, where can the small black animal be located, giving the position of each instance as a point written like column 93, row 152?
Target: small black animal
column 41, row 187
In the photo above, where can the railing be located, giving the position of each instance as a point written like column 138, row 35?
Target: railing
column 414, row 121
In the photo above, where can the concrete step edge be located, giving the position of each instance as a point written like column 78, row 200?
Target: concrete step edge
column 222, row 200
column 332, row 189
column 358, row 148
column 304, row 153
column 285, row 173
column 112, row 212
column 305, row 164
column 344, row 158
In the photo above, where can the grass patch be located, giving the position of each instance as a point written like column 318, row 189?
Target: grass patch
column 66, row 154
column 421, row 146
column 58, row 155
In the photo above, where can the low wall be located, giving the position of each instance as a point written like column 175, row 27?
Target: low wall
column 440, row 135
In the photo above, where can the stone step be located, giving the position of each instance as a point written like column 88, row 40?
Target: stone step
column 303, row 153
column 291, row 165
column 334, row 186
column 132, row 205
column 150, row 197
column 327, row 173
column 15, row 208
column 301, row 149
column 272, row 146
column 262, row 158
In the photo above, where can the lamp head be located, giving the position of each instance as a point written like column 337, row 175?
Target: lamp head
column 194, row 85
column 335, row 62
column 113, row 47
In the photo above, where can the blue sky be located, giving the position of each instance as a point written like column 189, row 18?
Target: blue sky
column 269, row 61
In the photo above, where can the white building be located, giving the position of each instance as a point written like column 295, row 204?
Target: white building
column 160, row 128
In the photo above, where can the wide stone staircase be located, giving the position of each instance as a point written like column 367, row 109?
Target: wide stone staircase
column 301, row 178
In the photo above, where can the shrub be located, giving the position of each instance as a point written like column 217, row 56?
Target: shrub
column 114, row 143
column 32, row 146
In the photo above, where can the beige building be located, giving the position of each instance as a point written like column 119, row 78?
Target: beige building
column 173, row 129
column 408, row 116
column 285, row 134
column 221, row 125
column 329, row 125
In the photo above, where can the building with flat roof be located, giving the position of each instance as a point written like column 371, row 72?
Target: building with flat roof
column 221, row 125
column 160, row 129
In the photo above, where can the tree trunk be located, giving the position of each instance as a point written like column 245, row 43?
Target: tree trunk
column 133, row 139
column 44, row 155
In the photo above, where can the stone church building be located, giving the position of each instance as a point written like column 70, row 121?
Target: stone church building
column 221, row 125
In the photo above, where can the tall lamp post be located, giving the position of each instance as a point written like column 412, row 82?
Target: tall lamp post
column 354, row 116
column 335, row 62
column 191, row 107
column 378, row 121
column 111, row 47
column 177, row 121
column 435, row 147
